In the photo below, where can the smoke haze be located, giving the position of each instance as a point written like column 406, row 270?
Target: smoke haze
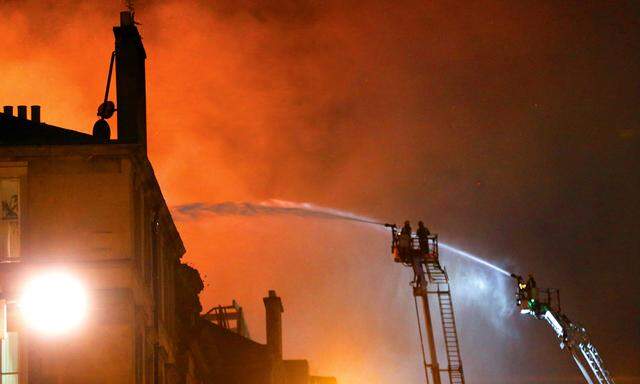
column 511, row 128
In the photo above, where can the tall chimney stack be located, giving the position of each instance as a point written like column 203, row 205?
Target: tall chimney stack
column 22, row 112
column 7, row 110
column 35, row 114
column 130, row 82
column 273, row 308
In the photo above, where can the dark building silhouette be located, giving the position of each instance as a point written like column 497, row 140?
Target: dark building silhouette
column 229, row 357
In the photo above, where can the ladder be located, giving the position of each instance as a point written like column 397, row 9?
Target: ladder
column 595, row 362
column 439, row 280
column 578, row 338
column 430, row 278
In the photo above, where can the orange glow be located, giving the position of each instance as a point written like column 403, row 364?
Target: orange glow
column 450, row 112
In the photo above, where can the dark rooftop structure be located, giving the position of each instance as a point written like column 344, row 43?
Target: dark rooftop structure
column 18, row 130
column 129, row 57
column 232, row 358
column 225, row 356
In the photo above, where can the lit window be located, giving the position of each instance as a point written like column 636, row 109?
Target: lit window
column 10, row 219
column 9, row 348
column 10, row 358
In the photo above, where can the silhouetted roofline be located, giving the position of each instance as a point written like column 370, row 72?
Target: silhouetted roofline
column 18, row 131
column 22, row 138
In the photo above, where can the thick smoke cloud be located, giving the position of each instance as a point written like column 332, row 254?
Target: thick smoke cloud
column 511, row 129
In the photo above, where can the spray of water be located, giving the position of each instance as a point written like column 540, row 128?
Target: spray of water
column 476, row 284
column 282, row 207
column 269, row 207
column 474, row 258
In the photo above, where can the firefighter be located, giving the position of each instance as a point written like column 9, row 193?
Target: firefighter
column 406, row 229
column 404, row 241
column 423, row 238
column 523, row 291
column 531, row 282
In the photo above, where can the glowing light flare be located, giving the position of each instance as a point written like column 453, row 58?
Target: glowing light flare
column 53, row 302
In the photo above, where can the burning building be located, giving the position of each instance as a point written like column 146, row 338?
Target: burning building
column 92, row 287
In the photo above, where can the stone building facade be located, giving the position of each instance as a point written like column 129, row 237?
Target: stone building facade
column 90, row 205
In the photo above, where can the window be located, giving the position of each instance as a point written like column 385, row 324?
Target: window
column 149, row 244
column 150, row 362
column 168, row 299
column 10, row 218
column 139, row 228
column 139, row 357
column 10, row 358
column 9, row 349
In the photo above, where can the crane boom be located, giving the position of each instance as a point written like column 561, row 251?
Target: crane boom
column 573, row 337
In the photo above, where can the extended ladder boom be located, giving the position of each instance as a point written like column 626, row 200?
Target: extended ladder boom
column 575, row 339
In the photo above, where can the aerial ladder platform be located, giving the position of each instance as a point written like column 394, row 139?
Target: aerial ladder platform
column 544, row 304
column 431, row 280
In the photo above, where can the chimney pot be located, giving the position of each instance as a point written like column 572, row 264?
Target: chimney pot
column 35, row 114
column 130, row 82
column 126, row 18
column 7, row 110
column 22, row 112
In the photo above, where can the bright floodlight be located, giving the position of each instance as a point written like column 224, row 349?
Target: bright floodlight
column 53, row 302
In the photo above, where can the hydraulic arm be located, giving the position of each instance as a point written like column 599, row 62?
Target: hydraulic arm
column 544, row 304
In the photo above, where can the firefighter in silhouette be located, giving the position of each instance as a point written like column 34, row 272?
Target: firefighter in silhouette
column 527, row 295
column 522, row 294
column 406, row 229
column 531, row 282
column 423, row 238
column 404, row 241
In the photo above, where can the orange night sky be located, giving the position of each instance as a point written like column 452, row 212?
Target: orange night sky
column 512, row 129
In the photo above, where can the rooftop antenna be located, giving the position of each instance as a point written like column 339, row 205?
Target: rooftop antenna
column 101, row 128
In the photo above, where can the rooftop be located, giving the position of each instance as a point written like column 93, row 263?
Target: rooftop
column 16, row 130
